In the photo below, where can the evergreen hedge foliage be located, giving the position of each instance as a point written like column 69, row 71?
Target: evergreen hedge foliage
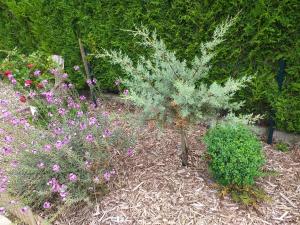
column 267, row 30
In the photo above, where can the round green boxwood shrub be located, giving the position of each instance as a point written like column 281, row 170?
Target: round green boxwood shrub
column 235, row 154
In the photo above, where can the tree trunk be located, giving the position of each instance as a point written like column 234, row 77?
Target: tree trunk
column 184, row 148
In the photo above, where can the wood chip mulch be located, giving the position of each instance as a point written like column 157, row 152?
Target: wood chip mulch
column 153, row 188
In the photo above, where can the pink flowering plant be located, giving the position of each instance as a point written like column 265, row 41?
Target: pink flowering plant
column 69, row 161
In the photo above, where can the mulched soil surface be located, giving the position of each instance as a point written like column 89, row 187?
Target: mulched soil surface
column 152, row 187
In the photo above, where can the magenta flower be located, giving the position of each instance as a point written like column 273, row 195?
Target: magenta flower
column 7, row 151
column 89, row 138
column 55, row 168
column 79, row 114
column 130, row 152
column 62, row 111
column 107, row 133
column 14, row 81
column 47, row 205
column 47, row 148
column 82, row 98
column 72, row 177
column 59, row 145
column 55, row 186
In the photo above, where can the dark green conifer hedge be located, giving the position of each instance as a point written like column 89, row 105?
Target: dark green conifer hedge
column 267, row 30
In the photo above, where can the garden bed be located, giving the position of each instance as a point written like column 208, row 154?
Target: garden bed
column 152, row 188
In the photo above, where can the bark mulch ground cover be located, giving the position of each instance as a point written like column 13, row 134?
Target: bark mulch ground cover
column 153, row 188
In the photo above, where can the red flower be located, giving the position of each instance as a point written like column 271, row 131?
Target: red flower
column 28, row 83
column 30, row 65
column 7, row 73
column 40, row 86
column 22, row 99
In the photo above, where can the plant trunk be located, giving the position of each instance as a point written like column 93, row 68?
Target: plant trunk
column 184, row 148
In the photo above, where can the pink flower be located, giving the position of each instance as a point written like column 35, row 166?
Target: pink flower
column 55, row 186
column 8, row 139
column 47, row 148
column 107, row 176
column 126, row 92
column 37, row 73
column 2, row 210
column 64, row 75
column 89, row 138
column 61, row 111
column 130, row 152
column 47, row 205
column 41, row 165
column 24, row 209
column 14, row 81
column 55, row 168
column 82, row 98
column 72, row 177
column 7, row 151
column 107, row 133
column 76, row 68
column 92, row 121
column 89, row 82
column 82, row 126
column 59, row 145
column 79, row 114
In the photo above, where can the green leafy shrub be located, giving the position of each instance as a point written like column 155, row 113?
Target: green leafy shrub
column 235, row 154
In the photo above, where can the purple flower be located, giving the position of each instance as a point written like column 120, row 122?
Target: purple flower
column 61, row 111
column 105, row 114
column 79, row 114
column 76, row 68
column 14, row 81
column 54, row 71
column 8, row 139
column 14, row 163
column 55, row 168
column 130, row 152
column 2, row 210
column 82, row 126
column 89, row 82
column 72, row 177
column 82, row 98
column 59, row 145
column 24, row 209
column 89, row 138
column 37, row 73
column 107, row 133
column 126, row 92
column 47, row 205
column 64, row 75
column 92, row 121
column 96, row 180
column 7, row 151
column 55, row 186
column 41, row 165
column 47, row 148
column 107, row 176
